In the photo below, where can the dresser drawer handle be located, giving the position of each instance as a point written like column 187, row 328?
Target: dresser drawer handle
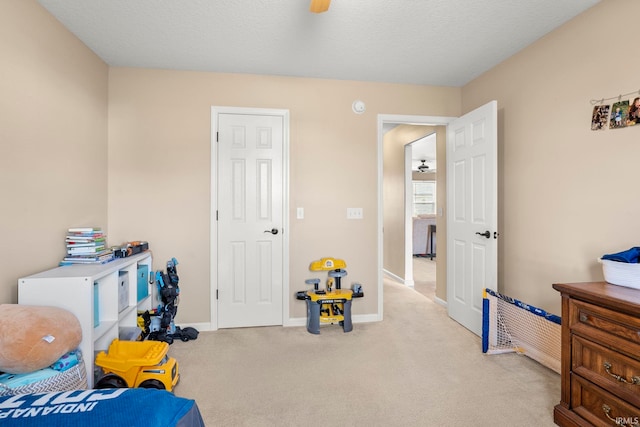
column 634, row 379
column 619, row 421
column 583, row 317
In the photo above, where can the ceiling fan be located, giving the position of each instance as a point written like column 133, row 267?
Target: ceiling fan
column 423, row 167
column 319, row 6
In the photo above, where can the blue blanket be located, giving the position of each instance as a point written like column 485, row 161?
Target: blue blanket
column 630, row 255
column 136, row 407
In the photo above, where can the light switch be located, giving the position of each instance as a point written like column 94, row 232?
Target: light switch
column 354, row 213
column 300, row 213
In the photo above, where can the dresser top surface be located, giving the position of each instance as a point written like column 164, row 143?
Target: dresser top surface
column 602, row 293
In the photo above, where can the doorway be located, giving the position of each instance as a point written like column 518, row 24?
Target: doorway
column 421, row 203
column 470, row 263
column 398, row 263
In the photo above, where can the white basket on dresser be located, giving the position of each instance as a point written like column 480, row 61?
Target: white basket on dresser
column 621, row 273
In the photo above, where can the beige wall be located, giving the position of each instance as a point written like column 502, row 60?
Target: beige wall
column 159, row 162
column 566, row 191
column 441, row 204
column 567, row 194
column 423, row 176
column 53, row 134
column 59, row 102
column 393, row 186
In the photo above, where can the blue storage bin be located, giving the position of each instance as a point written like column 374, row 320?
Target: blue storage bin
column 143, row 281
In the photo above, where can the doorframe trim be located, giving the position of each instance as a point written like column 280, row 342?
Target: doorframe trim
column 401, row 120
column 213, row 239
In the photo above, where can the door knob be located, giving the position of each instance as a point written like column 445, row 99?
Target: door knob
column 275, row 231
column 486, row 234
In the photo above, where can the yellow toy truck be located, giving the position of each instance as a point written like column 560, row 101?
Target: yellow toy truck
column 144, row 364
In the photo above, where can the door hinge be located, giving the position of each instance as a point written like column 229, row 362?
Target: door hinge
column 216, row 294
column 216, row 215
column 217, row 136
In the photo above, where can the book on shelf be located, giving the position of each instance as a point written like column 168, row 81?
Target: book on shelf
column 88, row 254
column 87, row 261
column 85, row 230
column 85, row 235
column 86, row 249
column 107, row 255
column 85, row 244
column 104, row 252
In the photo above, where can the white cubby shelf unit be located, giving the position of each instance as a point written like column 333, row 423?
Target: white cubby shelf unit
column 90, row 292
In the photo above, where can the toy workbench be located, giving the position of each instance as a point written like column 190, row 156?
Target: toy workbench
column 330, row 305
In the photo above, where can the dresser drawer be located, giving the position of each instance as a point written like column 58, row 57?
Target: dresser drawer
column 607, row 326
column 613, row 371
column 599, row 407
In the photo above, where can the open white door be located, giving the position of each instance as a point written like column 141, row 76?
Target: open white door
column 472, row 217
column 250, row 219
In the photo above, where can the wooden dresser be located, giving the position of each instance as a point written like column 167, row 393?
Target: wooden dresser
column 600, row 355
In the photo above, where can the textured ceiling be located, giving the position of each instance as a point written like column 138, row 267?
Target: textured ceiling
column 424, row 149
column 434, row 42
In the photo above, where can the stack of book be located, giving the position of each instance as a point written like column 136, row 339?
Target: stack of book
column 86, row 245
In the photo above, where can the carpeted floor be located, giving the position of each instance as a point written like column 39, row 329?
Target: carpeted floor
column 424, row 276
column 415, row 368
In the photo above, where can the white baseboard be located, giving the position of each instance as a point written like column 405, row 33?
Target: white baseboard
column 440, row 302
column 393, row 276
column 198, row 326
column 295, row 321
column 366, row 318
column 359, row 318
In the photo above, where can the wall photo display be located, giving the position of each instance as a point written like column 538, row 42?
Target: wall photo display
column 600, row 117
column 617, row 115
column 634, row 112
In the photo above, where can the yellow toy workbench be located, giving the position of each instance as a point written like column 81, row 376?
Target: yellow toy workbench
column 333, row 304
